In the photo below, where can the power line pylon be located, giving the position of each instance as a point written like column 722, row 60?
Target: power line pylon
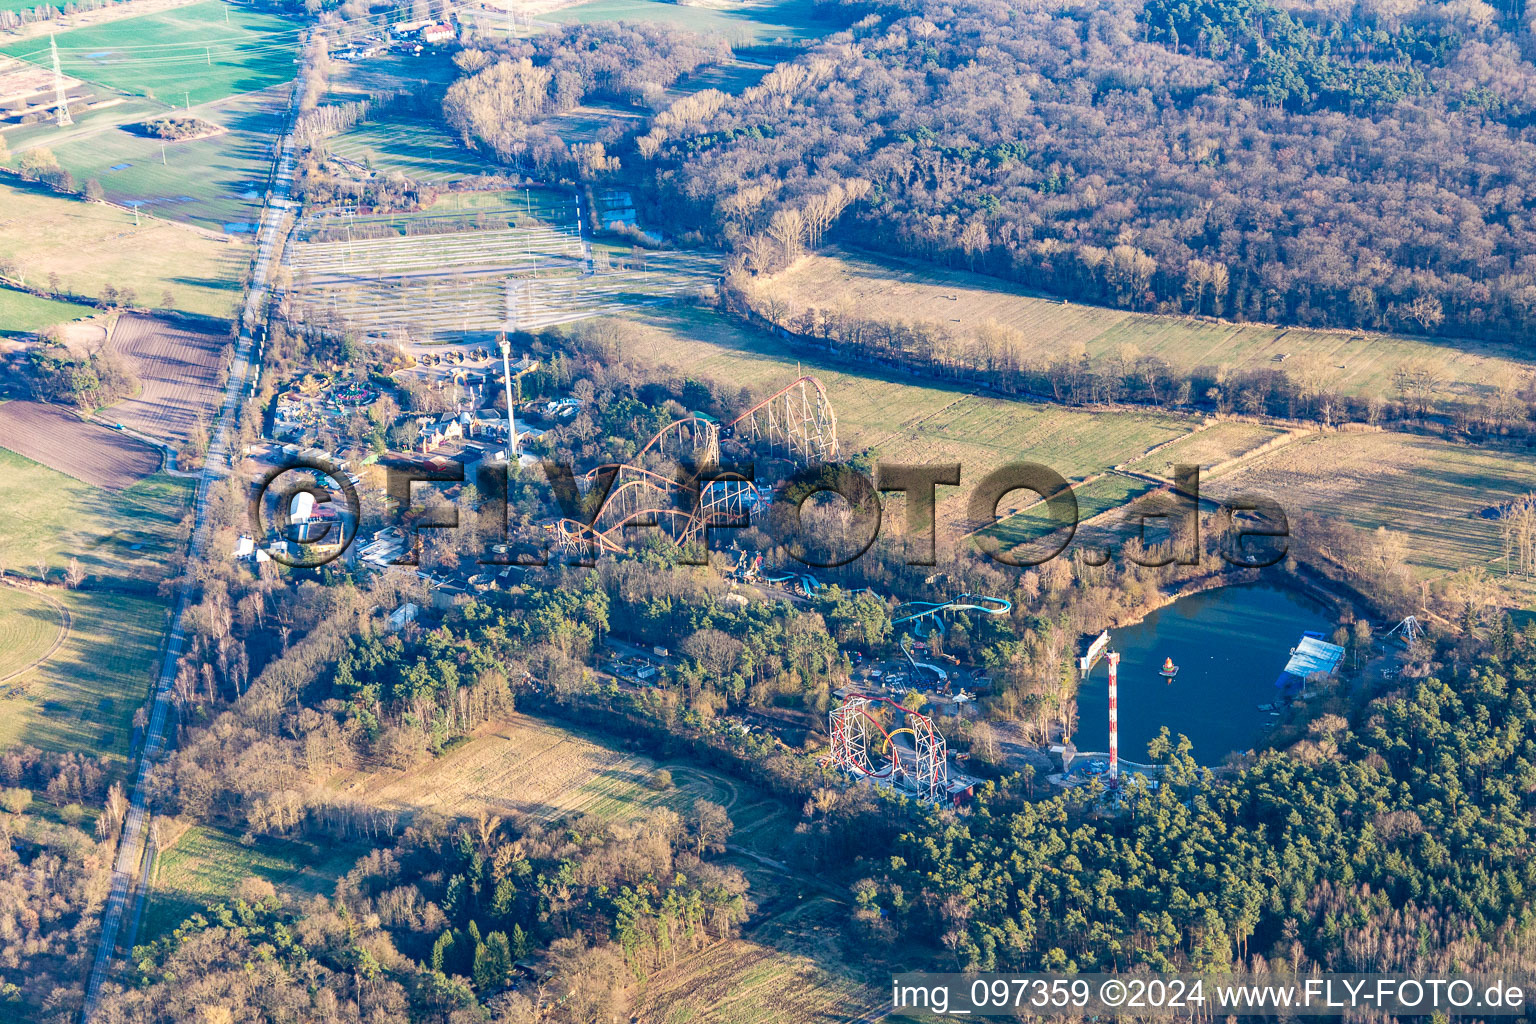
column 58, row 86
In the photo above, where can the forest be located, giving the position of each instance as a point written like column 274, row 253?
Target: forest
column 1360, row 167
column 1397, row 842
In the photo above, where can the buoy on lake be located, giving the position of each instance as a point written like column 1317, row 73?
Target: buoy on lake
column 1169, row 669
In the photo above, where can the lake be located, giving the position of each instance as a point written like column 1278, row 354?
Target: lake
column 1230, row 645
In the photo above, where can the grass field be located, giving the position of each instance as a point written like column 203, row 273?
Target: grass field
column 30, row 625
column 898, row 418
column 959, row 301
column 1431, row 490
column 527, row 767
column 471, row 284
column 119, row 536
column 215, row 183
column 83, row 697
column 195, row 54
column 421, row 150
column 740, row 23
column 206, row 865
column 23, row 313
column 91, row 245
column 1208, row 448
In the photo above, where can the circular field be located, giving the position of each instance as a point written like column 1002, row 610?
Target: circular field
column 31, row 627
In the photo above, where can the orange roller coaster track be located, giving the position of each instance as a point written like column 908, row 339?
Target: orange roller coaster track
column 796, row 421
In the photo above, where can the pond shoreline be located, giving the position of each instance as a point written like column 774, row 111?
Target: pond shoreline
column 1229, row 650
column 1335, row 602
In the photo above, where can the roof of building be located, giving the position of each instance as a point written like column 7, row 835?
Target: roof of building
column 1313, row 655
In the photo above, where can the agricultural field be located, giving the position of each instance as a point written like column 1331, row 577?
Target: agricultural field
column 207, row 865
column 900, row 420
column 32, row 625
column 1438, row 494
column 526, row 767
column 91, row 245
column 89, row 452
column 756, row 981
column 23, row 313
column 433, row 284
column 217, row 183
column 746, row 23
column 1031, row 521
column 1213, row 446
column 82, row 697
column 187, row 55
column 124, row 537
column 1348, row 362
column 179, row 369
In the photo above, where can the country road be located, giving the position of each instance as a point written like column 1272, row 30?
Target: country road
column 127, row 875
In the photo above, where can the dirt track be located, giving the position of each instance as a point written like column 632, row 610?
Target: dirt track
column 60, row 440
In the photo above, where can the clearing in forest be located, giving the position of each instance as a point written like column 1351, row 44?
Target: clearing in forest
column 525, row 767
column 206, row 865
column 1348, row 362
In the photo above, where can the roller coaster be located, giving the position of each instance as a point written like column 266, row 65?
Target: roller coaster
column 964, row 603
column 922, row 769
column 796, row 422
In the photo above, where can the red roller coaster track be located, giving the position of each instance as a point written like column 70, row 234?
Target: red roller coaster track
column 926, row 772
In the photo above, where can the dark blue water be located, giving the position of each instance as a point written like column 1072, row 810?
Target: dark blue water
column 1230, row 645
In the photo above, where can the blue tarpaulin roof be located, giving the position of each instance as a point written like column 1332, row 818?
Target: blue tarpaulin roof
column 1313, row 655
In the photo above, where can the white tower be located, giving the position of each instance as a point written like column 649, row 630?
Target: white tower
column 506, row 366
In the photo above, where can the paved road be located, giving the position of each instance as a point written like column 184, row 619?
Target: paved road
column 122, row 902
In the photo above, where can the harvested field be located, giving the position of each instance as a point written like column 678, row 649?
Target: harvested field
column 1355, row 363
column 523, row 766
column 86, row 451
column 1433, row 491
column 1215, row 445
column 757, row 980
column 179, row 369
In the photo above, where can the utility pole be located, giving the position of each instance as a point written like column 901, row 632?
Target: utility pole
column 60, row 99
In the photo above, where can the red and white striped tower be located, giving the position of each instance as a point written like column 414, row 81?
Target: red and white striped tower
column 1114, row 718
